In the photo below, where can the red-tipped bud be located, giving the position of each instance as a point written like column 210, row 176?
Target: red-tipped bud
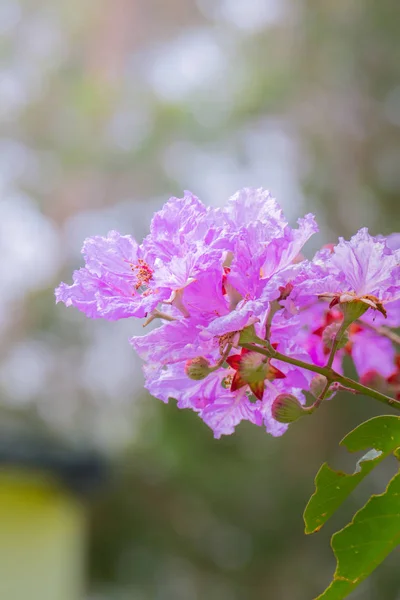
column 285, row 290
column 197, row 368
column 287, row 409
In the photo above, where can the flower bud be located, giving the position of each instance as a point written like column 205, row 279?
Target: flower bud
column 318, row 383
column 197, row 368
column 329, row 334
column 286, row 409
column 285, row 291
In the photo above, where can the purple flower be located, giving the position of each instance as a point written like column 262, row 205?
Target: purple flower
column 115, row 282
column 180, row 225
column 368, row 265
column 206, row 275
column 261, row 241
column 123, row 279
column 363, row 269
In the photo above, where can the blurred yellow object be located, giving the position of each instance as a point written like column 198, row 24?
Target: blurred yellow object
column 42, row 518
column 42, row 538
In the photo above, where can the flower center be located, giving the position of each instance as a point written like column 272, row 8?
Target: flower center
column 143, row 273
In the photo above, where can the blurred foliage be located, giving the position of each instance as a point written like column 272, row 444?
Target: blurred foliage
column 108, row 107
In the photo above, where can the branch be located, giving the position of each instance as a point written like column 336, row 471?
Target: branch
column 328, row 372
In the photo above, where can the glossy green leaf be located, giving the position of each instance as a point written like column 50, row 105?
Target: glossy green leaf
column 382, row 434
column 363, row 544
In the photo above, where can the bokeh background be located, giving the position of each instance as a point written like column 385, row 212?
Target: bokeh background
column 107, row 108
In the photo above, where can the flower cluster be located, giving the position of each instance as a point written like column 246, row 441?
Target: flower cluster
column 221, row 283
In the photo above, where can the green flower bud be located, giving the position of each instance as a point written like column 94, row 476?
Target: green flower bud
column 329, row 334
column 197, row 368
column 286, row 409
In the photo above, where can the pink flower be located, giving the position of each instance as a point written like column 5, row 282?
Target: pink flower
column 364, row 269
column 116, row 281
column 210, row 276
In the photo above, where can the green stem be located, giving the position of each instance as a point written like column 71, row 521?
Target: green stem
column 336, row 343
column 315, row 405
column 271, row 353
column 328, row 372
column 363, row 389
column 323, row 393
column 273, row 309
column 222, row 359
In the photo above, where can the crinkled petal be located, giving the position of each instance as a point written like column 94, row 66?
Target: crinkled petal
column 108, row 298
column 369, row 266
column 245, row 315
column 176, row 227
column 82, row 293
column 114, row 254
column 172, row 342
column 227, row 411
column 180, row 271
column 251, row 205
column 171, row 382
column 107, row 287
column 258, row 255
column 204, row 297
column 282, row 251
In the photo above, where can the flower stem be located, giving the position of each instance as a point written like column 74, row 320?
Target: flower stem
column 271, row 353
column 222, row 359
column 316, row 404
column 323, row 393
column 363, row 389
column 338, row 387
column 336, row 343
column 273, row 309
column 156, row 314
column 328, row 372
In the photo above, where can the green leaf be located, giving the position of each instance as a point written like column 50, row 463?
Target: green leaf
column 375, row 529
column 333, row 487
column 363, row 544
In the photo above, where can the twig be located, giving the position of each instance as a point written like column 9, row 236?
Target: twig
column 331, row 375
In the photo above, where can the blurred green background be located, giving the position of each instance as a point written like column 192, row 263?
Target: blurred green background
column 107, row 108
